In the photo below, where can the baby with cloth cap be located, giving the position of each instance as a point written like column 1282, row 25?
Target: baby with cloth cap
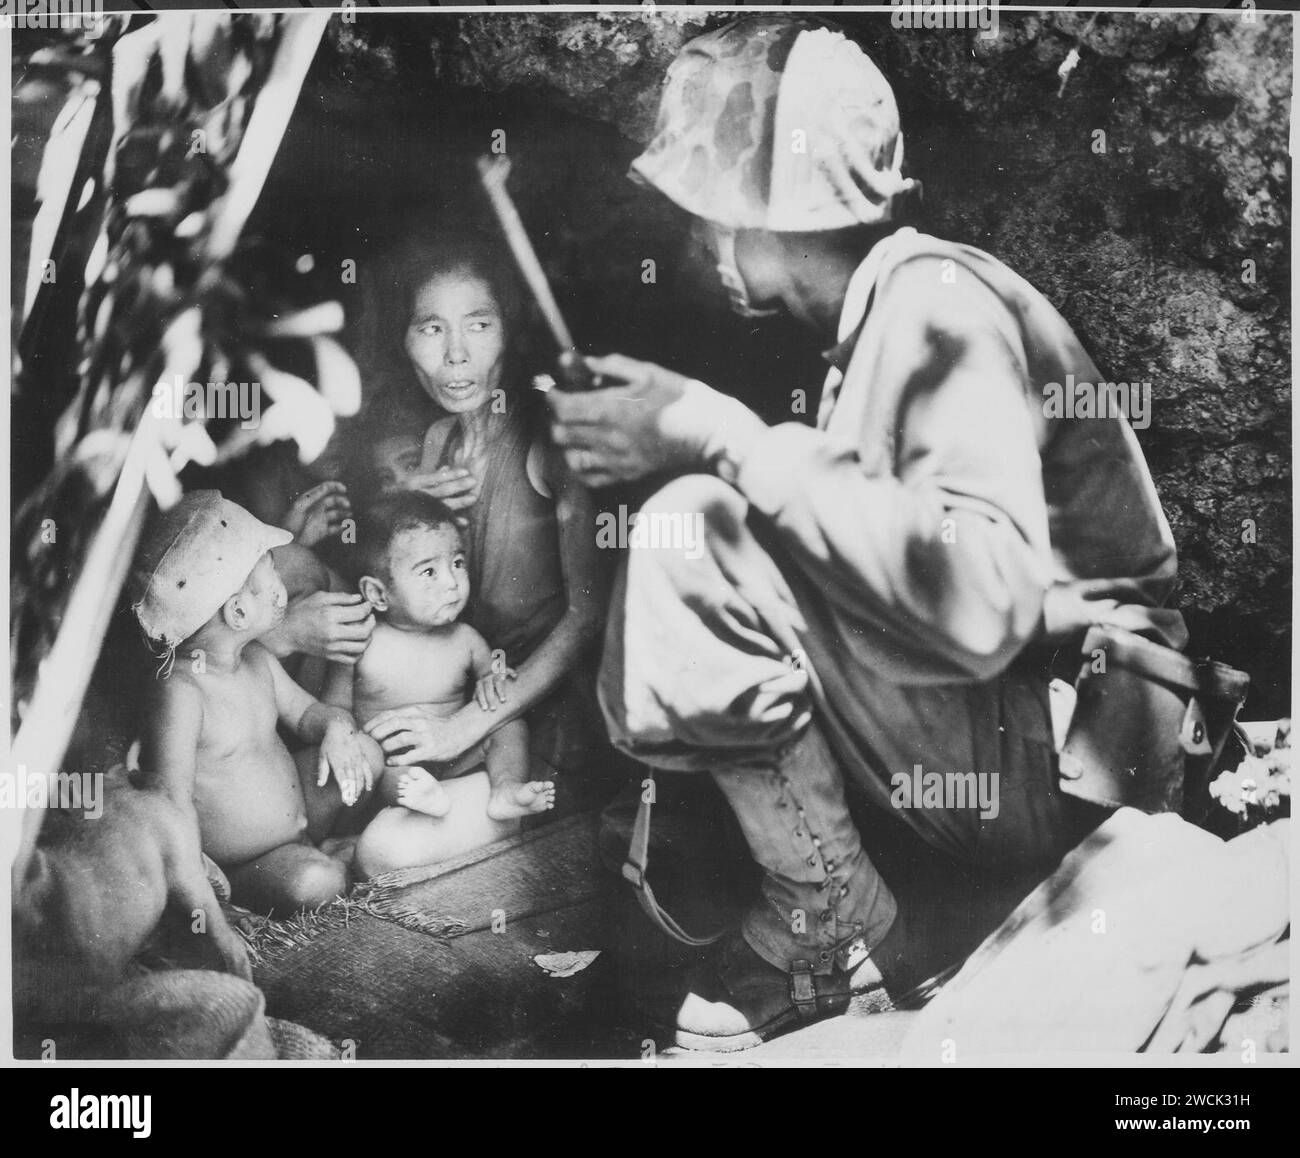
column 205, row 588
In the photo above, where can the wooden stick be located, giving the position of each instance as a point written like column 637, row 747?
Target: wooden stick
column 493, row 172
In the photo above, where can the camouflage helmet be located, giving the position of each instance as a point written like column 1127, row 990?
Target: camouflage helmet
column 779, row 123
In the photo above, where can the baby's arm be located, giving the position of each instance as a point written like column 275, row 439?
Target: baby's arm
column 489, row 670
column 170, row 745
column 340, row 692
column 339, row 684
column 342, row 749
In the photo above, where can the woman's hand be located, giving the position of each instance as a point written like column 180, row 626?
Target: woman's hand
column 454, row 485
column 318, row 513
column 334, row 625
column 415, row 735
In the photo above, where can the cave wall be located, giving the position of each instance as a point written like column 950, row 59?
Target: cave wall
column 1140, row 246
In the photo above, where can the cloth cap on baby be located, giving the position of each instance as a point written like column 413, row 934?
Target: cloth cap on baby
column 192, row 559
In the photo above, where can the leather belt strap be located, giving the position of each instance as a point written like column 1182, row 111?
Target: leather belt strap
column 634, row 871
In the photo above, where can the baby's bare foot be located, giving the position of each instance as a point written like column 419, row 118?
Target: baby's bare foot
column 420, row 792
column 511, row 801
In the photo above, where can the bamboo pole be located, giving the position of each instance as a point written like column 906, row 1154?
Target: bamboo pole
column 46, row 729
column 57, row 183
column 300, row 37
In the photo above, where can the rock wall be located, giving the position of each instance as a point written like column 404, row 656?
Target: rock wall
column 1165, row 243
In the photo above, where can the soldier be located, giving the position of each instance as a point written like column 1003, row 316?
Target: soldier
column 877, row 592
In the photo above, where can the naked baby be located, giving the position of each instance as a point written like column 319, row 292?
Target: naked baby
column 206, row 589
column 415, row 577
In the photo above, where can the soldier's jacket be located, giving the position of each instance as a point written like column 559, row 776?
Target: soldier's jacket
column 925, row 548
column 939, row 525
column 941, row 512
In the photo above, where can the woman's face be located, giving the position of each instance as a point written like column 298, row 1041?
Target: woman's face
column 456, row 340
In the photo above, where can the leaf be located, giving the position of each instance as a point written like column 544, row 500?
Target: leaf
column 324, row 318
column 299, row 412
column 337, row 377
column 566, row 964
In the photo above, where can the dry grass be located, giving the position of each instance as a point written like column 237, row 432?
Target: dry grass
column 269, row 939
column 383, row 897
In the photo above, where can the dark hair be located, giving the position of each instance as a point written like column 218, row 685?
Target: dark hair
column 387, row 518
column 422, row 253
column 415, row 254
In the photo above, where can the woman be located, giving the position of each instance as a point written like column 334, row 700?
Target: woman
column 538, row 583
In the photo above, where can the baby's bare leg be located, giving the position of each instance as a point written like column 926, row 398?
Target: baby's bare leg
column 288, row 878
column 506, row 752
column 399, row 838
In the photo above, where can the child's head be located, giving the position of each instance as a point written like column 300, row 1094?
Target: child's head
column 413, row 564
column 394, row 457
column 207, row 562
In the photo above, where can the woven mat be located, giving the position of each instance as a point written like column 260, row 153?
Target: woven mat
column 553, row 867
column 441, row 962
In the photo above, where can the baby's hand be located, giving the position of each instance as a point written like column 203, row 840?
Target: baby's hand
column 491, row 688
column 344, row 751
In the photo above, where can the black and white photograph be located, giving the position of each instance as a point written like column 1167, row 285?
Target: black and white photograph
column 650, row 536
